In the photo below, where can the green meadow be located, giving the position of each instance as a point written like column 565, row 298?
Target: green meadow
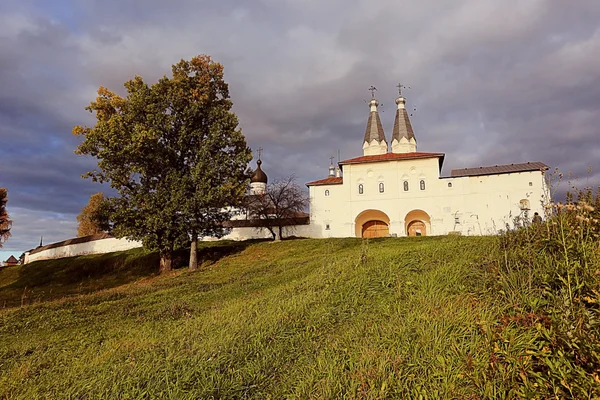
column 429, row 318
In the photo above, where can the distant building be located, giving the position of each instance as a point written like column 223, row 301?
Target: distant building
column 11, row 262
column 398, row 191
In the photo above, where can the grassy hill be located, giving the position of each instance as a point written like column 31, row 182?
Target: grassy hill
column 439, row 317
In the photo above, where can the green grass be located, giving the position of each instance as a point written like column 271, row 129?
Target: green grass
column 325, row 319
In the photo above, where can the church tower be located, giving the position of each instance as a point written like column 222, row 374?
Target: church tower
column 403, row 137
column 374, row 142
column 258, row 181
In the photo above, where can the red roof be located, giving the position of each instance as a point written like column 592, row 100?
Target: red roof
column 499, row 169
column 392, row 157
column 332, row 180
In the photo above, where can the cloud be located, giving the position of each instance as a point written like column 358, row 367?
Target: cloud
column 493, row 82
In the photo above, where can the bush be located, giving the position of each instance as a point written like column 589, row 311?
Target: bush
column 550, row 273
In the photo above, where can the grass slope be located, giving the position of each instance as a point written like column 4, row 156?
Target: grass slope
column 327, row 319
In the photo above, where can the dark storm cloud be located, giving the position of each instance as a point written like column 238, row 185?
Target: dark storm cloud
column 493, row 82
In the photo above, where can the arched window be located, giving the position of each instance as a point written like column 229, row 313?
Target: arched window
column 360, row 189
column 327, row 192
column 422, row 184
column 406, row 186
column 381, row 187
column 449, row 184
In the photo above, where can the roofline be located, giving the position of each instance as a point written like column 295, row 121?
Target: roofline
column 429, row 155
column 315, row 183
column 545, row 168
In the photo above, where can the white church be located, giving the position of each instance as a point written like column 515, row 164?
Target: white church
column 396, row 190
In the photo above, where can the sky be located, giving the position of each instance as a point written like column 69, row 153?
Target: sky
column 493, row 82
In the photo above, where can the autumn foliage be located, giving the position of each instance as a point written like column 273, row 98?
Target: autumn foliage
column 5, row 222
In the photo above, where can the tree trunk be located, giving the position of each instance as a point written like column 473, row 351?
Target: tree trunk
column 166, row 261
column 278, row 236
column 194, row 253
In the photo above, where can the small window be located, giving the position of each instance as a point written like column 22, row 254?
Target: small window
column 360, row 189
column 327, row 192
column 381, row 187
column 449, row 184
column 406, row 186
column 326, row 227
column 530, row 183
column 422, row 184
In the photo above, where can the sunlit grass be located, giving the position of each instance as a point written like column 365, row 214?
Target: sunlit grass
column 328, row 319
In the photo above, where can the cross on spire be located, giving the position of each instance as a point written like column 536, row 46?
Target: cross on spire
column 331, row 159
column 400, row 87
column 260, row 149
column 372, row 89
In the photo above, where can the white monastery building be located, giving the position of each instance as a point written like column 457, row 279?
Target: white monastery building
column 395, row 190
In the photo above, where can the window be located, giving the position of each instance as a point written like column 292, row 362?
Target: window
column 327, row 192
column 326, row 227
column 449, row 184
column 422, row 184
column 530, row 183
column 381, row 187
column 360, row 189
column 406, row 186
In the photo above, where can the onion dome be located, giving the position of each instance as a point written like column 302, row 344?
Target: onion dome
column 259, row 176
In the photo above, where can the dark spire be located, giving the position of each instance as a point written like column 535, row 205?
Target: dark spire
column 402, row 126
column 374, row 129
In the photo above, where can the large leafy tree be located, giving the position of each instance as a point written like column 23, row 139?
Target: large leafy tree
column 174, row 153
column 5, row 222
column 93, row 218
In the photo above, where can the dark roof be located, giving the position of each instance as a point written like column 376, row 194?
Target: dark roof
column 11, row 260
column 402, row 126
column 393, row 157
column 300, row 218
column 499, row 169
column 83, row 239
column 374, row 128
column 259, row 175
column 332, row 180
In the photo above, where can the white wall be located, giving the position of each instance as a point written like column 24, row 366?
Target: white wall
column 94, row 247
column 477, row 205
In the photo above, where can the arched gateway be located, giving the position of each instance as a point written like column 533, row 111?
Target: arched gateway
column 372, row 224
column 417, row 223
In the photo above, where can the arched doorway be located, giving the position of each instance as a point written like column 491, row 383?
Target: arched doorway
column 416, row 228
column 372, row 224
column 417, row 223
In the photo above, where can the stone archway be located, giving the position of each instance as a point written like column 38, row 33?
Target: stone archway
column 417, row 223
column 371, row 224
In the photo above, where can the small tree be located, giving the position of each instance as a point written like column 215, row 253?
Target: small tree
column 281, row 206
column 5, row 222
column 93, row 218
column 174, row 153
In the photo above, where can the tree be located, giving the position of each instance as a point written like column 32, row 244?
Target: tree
column 5, row 222
column 173, row 152
column 280, row 206
column 93, row 218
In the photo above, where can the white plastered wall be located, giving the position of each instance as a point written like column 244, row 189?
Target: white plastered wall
column 472, row 205
column 94, row 247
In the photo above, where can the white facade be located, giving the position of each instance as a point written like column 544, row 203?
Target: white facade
column 472, row 205
column 402, row 193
